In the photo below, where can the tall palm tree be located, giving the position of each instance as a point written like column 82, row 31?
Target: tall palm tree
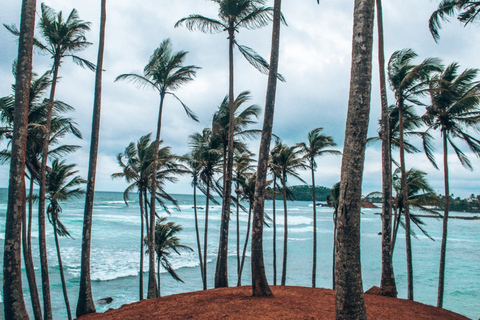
column 259, row 280
column 166, row 243
column 315, row 147
column 274, row 173
column 165, row 73
column 408, row 81
column 85, row 302
column 206, row 147
column 36, row 120
column 62, row 185
column 64, row 38
column 468, row 11
column 349, row 300
column 454, row 110
column 14, row 304
column 233, row 15
column 288, row 160
column 388, row 286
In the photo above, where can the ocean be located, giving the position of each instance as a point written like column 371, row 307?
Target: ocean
column 115, row 253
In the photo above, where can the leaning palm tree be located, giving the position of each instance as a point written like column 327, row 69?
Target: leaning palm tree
column 166, row 243
column 468, row 12
column 408, row 81
column 85, row 300
column 164, row 73
column 259, row 280
column 454, row 110
column 288, row 161
column 315, row 147
column 233, row 15
column 64, row 38
column 62, row 184
column 14, row 304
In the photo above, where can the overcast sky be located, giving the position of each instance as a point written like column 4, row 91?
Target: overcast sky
column 314, row 59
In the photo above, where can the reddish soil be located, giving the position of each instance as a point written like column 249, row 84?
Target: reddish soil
column 287, row 303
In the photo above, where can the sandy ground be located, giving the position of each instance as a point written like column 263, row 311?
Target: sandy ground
column 287, row 303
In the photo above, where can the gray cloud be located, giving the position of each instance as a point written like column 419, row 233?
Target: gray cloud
column 315, row 60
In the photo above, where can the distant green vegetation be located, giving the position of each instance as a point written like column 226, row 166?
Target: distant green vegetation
column 302, row 193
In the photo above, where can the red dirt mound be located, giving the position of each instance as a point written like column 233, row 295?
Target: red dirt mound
column 287, row 303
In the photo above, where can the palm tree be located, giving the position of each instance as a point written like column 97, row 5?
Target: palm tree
column 60, row 189
column 408, row 81
column 36, row 120
column 233, row 15
column 388, row 286
column 136, row 171
column 421, row 196
column 137, row 167
column 14, row 304
column 165, row 73
column 193, row 166
column 315, row 147
column 349, row 301
column 259, row 280
column 468, row 11
column 332, row 200
column 248, row 192
column 85, row 302
column 242, row 171
column 206, row 147
column 63, row 39
column 454, row 110
column 166, row 243
column 288, row 160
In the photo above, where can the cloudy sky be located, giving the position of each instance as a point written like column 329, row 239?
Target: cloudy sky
column 314, row 59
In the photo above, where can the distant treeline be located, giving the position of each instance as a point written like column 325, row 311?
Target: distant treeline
column 301, row 193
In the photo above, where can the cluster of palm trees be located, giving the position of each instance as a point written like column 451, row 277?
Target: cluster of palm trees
column 35, row 126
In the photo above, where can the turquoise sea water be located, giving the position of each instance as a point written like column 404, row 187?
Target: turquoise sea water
column 115, row 253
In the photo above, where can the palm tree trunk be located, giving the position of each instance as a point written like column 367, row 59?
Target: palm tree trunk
column 274, row 233
column 221, row 273
column 285, row 231
column 27, row 255
column 259, row 280
column 14, row 304
column 238, row 237
column 314, row 266
column 62, row 276
column 396, row 224
column 197, row 232
column 85, row 302
column 443, row 251
column 47, row 304
column 142, row 226
column 152, row 285
column 408, row 240
column 349, row 299
column 387, row 284
column 158, row 276
column 205, row 240
column 335, row 212
column 239, row 283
